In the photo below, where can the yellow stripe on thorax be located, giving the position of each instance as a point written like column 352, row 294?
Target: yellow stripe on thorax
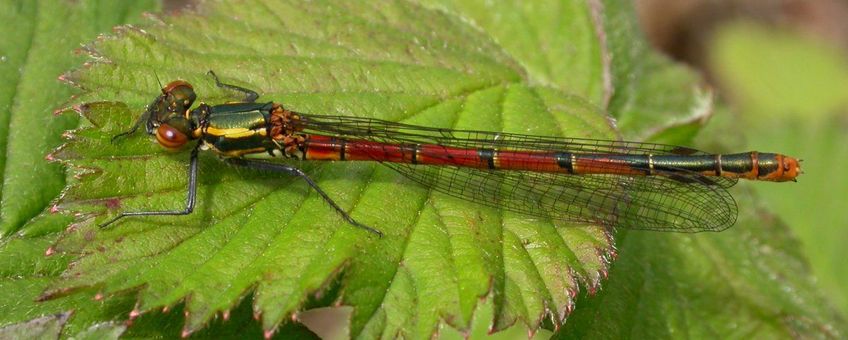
column 234, row 132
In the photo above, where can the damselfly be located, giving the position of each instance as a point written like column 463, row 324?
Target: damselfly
column 612, row 183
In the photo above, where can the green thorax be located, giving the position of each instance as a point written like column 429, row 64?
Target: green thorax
column 234, row 129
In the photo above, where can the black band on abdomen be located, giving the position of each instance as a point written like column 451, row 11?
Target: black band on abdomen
column 563, row 159
column 487, row 155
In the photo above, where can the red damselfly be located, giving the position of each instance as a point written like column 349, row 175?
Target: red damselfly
column 613, row 183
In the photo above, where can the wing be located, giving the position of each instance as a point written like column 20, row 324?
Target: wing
column 398, row 133
column 635, row 202
column 670, row 200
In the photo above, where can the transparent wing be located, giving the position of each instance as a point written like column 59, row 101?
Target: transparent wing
column 614, row 200
column 669, row 200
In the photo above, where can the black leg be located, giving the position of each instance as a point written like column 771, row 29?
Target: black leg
column 141, row 119
column 192, row 193
column 278, row 167
column 250, row 96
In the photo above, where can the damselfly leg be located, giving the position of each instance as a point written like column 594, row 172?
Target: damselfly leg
column 190, row 198
column 250, row 96
column 290, row 170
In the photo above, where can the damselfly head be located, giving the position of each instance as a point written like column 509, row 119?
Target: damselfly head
column 175, row 100
column 167, row 115
column 180, row 92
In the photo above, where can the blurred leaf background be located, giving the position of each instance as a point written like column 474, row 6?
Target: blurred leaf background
column 791, row 93
column 781, row 83
column 781, row 73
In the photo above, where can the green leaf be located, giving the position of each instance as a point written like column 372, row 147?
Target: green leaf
column 273, row 237
column 32, row 58
column 747, row 281
column 106, row 330
column 801, row 111
column 753, row 279
column 653, row 98
column 595, row 50
column 27, row 272
column 556, row 43
column 269, row 234
column 36, row 49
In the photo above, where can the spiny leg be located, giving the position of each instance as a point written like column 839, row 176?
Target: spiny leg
column 192, row 193
column 250, row 96
column 277, row 167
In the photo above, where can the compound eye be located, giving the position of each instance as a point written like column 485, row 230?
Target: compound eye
column 176, row 84
column 169, row 137
column 179, row 92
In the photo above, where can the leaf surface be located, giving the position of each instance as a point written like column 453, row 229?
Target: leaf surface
column 264, row 245
column 36, row 49
column 746, row 281
column 31, row 61
column 268, row 234
column 802, row 111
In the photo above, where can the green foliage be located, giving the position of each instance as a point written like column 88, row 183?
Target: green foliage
column 794, row 92
column 267, row 234
column 267, row 247
column 32, row 57
column 749, row 281
column 31, row 60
